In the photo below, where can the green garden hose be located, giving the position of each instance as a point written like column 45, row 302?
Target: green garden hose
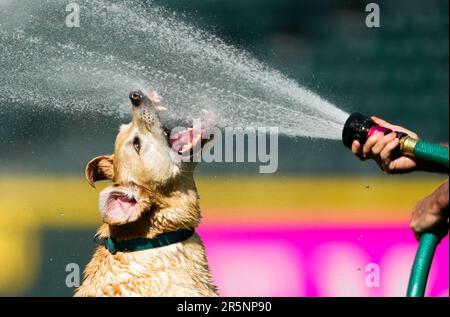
column 439, row 155
column 422, row 264
column 432, row 153
column 425, row 151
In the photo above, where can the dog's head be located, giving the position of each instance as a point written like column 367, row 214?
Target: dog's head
column 147, row 162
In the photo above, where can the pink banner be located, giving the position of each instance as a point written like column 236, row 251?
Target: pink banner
column 257, row 261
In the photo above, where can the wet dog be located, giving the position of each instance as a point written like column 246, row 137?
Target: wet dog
column 147, row 244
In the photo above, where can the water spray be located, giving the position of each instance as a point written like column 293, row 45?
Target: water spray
column 358, row 127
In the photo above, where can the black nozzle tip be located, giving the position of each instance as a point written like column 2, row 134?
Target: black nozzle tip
column 356, row 127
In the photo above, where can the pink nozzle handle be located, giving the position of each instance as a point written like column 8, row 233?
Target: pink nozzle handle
column 385, row 131
column 378, row 128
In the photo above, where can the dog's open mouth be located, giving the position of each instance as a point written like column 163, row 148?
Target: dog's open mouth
column 119, row 206
column 123, row 201
column 184, row 141
column 190, row 140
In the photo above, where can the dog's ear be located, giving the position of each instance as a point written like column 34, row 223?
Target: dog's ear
column 100, row 168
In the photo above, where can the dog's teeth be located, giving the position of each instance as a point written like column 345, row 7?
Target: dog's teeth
column 160, row 108
column 187, row 146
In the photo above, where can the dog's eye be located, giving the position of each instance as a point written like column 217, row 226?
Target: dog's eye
column 137, row 144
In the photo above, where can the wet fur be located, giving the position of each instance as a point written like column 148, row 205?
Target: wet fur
column 168, row 201
column 176, row 270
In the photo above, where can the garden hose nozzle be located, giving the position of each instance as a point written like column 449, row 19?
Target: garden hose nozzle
column 359, row 127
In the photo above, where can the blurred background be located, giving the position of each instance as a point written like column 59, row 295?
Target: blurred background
column 311, row 229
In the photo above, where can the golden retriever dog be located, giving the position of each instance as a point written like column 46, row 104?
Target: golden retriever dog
column 147, row 244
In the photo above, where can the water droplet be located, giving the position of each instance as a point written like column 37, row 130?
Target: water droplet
column 359, row 269
column 367, row 186
column 361, row 237
column 50, row 259
column 61, row 214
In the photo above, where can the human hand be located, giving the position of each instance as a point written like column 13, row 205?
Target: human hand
column 431, row 213
column 380, row 148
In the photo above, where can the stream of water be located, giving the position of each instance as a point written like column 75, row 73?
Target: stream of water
column 124, row 45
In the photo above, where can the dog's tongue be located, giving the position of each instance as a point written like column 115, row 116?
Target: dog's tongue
column 120, row 209
column 186, row 140
column 125, row 202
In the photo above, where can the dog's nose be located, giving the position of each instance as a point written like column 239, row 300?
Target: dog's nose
column 136, row 97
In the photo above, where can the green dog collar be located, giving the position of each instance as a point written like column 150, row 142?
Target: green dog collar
column 139, row 244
